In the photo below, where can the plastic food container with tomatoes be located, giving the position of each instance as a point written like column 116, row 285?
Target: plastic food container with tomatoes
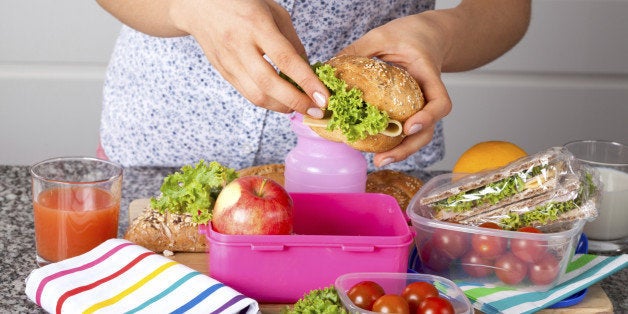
column 531, row 261
column 395, row 283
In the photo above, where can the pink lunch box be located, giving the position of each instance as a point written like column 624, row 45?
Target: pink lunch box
column 334, row 234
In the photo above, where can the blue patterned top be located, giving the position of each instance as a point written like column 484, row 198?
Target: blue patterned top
column 165, row 105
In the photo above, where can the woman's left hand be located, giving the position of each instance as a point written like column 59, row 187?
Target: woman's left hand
column 458, row 39
column 420, row 53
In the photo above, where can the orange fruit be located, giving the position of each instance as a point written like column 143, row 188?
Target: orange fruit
column 488, row 155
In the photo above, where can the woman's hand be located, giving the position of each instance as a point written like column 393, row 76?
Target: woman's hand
column 468, row 36
column 237, row 35
column 421, row 54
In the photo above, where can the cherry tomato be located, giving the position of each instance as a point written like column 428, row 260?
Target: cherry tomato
column 475, row 265
column 510, row 269
column 416, row 292
column 433, row 258
column 435, row 305
column 488, row 246
column 528, row 250
column 490, row 224
column 544, row 271
column 391, row 303
column 365, row 293
column 453, row 243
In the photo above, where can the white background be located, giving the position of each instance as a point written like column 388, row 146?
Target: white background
column 566, row 80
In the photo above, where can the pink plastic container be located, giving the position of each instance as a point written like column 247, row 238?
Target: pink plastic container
column 334, row 234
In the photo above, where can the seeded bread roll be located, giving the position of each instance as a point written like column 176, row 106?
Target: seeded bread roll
column 387, row 87
column 270, row 171
column 166, row 232
column 397, row 184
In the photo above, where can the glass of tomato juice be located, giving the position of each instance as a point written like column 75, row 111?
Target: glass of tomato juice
column 76, row 204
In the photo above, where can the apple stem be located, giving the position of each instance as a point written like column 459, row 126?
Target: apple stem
column 261, row 187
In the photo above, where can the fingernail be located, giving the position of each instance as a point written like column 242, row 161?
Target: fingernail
column 320, row 99
column 386, row 161
column 415, row 128
column 315, row 112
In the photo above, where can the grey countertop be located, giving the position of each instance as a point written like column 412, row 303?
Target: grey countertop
column 17, row 242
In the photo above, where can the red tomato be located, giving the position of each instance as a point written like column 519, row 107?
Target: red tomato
column 433, row 258
column 545, row 270
column 416, row 292
column 527, row 250
column 453, row 243
column 510, row 269
column 435, row 305
column 475, row 265
column 365, row 293
column 490, row 224
column 489, row 246
column 391, row 303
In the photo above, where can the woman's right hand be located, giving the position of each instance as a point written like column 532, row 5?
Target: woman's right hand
column 236, row 37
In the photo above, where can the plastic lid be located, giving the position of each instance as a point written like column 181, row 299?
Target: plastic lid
column 582, row 248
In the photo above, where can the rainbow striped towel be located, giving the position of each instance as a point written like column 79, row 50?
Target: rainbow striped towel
column 583, row 271
column 121, row 277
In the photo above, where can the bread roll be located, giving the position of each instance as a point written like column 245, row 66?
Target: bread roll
column 160, row 232
column 397, row 184
column 270, row 171
column 384, row 86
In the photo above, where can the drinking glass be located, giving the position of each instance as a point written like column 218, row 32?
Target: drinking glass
column 76, row 204
column 608, row 233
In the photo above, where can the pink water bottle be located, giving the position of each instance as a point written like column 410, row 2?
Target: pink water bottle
column 317, row 165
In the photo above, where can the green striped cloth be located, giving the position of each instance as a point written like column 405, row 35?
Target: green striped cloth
column 583, row 271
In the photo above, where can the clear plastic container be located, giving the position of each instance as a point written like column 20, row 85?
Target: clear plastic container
column 317, row 165
column 334, row 234
column 394, row 283
column 527, row 261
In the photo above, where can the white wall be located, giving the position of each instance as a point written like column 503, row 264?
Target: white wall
column 53, row 56
column 567, row 79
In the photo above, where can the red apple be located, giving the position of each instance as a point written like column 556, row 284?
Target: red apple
column 253, row 205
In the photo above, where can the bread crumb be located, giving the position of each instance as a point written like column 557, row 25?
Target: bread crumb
column 168, row 253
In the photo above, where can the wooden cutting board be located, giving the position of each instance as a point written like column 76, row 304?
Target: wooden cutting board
column 595, row 301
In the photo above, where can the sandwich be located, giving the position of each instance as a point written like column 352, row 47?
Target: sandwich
column 370, row 100
column 548, row 190
column 169, row 222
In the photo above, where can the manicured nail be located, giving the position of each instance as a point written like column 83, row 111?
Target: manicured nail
column 315, row 112
column 386, row 161
column 320, row 99
column 415, row 128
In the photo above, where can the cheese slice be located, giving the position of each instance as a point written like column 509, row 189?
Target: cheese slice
column 393, row 129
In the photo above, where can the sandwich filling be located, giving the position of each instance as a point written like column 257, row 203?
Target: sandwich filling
column 193, row 190
column 550, row 211
column 495, row 192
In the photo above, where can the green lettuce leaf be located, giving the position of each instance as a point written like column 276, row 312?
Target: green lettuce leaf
column 347, row 111
column 551, row 211
column 318, row 301
column 193, row 190
column 355, row 118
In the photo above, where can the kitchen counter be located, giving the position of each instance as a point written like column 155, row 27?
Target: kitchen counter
column 17, row 242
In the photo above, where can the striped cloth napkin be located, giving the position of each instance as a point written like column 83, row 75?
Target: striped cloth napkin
column 583, row 271
column 121, row 277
